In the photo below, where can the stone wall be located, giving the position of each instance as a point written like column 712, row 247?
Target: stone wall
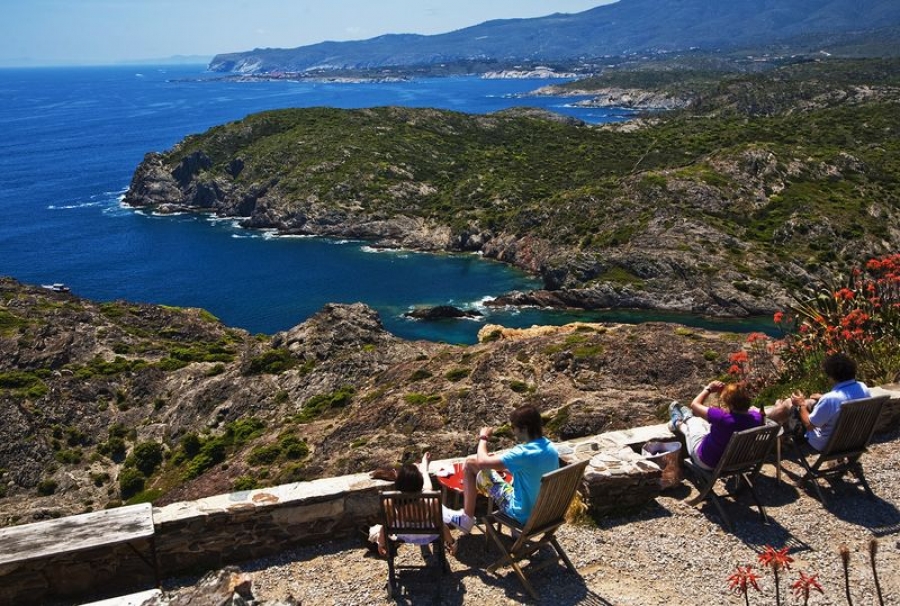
column 212, row 532
column 890, row 415
column 104, row 571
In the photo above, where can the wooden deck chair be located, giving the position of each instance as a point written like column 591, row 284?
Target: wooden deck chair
column 407, row 515
column 742, row 460
column 851, row 436
column 554, row 497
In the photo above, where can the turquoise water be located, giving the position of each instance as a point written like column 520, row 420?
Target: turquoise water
column 73, row 137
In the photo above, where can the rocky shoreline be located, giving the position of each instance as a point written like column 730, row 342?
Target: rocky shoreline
column 670, row 280
column 627, row 98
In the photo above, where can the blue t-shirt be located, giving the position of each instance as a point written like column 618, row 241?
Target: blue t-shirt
column 527, row 463
column 825, row 413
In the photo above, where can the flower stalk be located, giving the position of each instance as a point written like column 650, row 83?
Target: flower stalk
column 777, row 560
column 873, row 551
column 845, row 560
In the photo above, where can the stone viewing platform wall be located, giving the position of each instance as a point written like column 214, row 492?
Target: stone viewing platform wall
column 196, row 536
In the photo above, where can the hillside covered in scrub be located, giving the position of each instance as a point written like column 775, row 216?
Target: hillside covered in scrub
column 105, row 403
column 762, row 185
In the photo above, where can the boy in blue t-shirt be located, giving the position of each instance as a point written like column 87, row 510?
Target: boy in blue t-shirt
column 534, row 456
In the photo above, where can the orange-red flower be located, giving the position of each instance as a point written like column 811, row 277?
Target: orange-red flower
column 804, row 585
column 776, row 559
column 844, row 294
column 742, row 579
column 738, row 357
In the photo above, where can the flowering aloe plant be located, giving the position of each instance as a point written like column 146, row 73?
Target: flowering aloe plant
column 741, row 580
column 804, row 585
column 777, row 560
column 860, row 318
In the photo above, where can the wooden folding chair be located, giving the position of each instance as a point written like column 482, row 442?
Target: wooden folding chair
column 742, row 460
column 554, row 497
column 416, row 514
column 850, row 439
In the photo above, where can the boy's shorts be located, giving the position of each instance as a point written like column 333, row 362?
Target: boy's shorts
column 491, row 484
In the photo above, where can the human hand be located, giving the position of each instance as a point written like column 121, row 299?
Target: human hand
column 715, row 386
column 485, row 433
column 426, row 459
column 798, row 399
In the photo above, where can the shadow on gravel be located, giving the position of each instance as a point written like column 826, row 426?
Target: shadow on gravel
column 846, row 499
column 554, row 583
column 850, row 503
column 748, row 523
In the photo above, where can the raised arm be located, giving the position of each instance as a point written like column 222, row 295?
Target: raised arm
column 423, row 468
column 483, row 458
column 698, row 406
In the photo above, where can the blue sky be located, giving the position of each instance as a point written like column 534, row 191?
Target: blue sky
column 67, row 32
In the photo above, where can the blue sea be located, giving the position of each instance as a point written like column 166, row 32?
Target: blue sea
column 72, row 137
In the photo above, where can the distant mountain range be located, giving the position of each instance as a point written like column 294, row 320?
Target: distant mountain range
column 623, row 28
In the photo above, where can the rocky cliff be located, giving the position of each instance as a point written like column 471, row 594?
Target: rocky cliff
column 100, row 401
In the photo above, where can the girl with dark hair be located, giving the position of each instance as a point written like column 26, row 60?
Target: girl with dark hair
column 412, row 478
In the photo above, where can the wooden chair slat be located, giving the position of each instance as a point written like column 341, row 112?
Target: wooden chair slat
column 849, row 440
column 556, row 493
column 743, row 458
column 412, row 514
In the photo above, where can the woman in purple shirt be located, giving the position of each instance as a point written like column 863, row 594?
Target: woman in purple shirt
column 708, row 429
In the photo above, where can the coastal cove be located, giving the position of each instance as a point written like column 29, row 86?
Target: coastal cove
column 74, row 137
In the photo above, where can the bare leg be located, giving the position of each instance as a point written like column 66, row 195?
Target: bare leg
column 470, row 489
column 780, row 412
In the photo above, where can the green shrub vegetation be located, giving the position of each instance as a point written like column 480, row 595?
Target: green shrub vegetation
column 70, row 456
column 456, row 374
column 264, row 455
column 131, row 482
column 420, row 374
column 10, row 323
column 288, row 446
column 245, row 483
column 47, row 487
column 144, row 496
column 114, row 448
column 196, row 454
column 323, row 404
column 146, row 457
column 520, row 387
column 420, row 399
column 272, row 362
column 24, row 383
column 103, row 368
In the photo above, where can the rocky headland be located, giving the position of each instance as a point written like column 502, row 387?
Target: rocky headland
column 732, row 205
column 628, row 98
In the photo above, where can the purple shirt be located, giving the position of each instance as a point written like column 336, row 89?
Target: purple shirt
column 722, row 426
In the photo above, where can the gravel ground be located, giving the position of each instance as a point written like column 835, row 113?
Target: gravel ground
column 668, row 553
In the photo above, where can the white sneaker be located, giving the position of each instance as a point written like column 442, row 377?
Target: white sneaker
column 462, row 521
